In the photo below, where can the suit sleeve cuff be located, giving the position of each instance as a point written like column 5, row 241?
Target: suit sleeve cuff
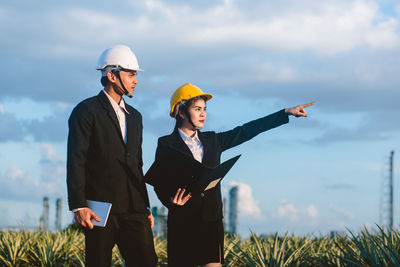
column 285, row 116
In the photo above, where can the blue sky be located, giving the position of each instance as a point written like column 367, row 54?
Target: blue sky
column 312, row 175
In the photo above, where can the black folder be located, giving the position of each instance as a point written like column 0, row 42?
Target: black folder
column 179, row 170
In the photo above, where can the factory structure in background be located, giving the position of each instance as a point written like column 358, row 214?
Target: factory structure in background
column 44, row 219
column 58, row 214
column 233, row 210
column 386, row 203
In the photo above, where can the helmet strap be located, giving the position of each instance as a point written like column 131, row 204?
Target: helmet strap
column 122, row 85
column 190, row 119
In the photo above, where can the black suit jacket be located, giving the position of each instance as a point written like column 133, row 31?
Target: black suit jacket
column 208, row 206
column 100, row 166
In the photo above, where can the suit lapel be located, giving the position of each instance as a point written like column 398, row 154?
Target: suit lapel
column 204, row 141
column 179, row 144
column 111, row 113
column 131, row 128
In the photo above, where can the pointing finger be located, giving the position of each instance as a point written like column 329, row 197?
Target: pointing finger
column 307, row 105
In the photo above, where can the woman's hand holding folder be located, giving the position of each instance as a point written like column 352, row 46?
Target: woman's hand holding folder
column 179, row 198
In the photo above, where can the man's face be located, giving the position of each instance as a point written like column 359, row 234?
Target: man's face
column 129, row 79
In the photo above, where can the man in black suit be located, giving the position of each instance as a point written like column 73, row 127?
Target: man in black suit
column 104, row 163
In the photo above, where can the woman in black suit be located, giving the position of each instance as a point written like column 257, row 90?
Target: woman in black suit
column 195, row 227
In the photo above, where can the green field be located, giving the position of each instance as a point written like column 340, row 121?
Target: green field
column 66, row 248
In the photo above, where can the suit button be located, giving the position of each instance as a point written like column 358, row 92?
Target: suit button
column 128, row 154
column 202, row 194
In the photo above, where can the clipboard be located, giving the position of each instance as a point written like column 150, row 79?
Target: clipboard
column 101, row 209
column 211, row 177
column 176, row 169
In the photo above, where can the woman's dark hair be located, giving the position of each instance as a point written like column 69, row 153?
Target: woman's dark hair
column 184, row 107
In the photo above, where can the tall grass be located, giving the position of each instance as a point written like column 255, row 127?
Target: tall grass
column 271, row 251
column 371, row 249
column 366, row 248
column 14, row 249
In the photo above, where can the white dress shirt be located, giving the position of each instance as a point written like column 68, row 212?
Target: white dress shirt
column 194, row 144
column 120, row 111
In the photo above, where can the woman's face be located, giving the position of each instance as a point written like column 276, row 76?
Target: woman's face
column 198, row 114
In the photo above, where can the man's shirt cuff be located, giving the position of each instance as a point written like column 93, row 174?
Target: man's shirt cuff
column 75, row 210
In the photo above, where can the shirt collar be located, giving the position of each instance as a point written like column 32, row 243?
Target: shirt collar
column 115, row 105
column 186, row 137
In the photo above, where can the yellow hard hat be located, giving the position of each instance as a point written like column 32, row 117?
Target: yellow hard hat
column 186, row 92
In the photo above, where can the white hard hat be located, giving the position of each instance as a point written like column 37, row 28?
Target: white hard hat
column 116, row 58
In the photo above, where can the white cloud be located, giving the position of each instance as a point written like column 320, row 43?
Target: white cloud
column 49, row 154
column 269, row 72
column 16, row 184
column 343, row 212
column 312, row 211
column 225, row 41
column 329, row 29
column 53, row 171
column 295, row 213
column 247, row 205
column 287, row 209
column 326, row 28
column 384, row 36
